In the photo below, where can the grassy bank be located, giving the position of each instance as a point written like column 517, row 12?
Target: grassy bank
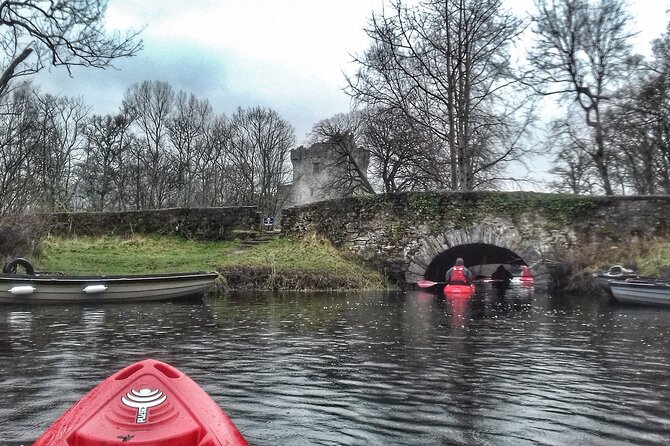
column 644, row 258
column 284, row 264
column 572, row 271
column 277, row 264
column 656, row 262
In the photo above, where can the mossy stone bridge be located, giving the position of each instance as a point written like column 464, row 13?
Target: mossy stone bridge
column 420, row 234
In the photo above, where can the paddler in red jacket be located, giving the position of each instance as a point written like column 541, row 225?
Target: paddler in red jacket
column 458, row 274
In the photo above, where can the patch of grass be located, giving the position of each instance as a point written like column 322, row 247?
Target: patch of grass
column 132, row 255
column 300, row 263
column 279, row 260
column 308, row 253
column 646, row 259
column 657, row 261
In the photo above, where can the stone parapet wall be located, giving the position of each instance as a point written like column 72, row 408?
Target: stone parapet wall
column 220, row 223
column 401, row 233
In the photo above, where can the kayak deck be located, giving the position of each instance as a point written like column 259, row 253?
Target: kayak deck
column 459, row 290
column 146, row 403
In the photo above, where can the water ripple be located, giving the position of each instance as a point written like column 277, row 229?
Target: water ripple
column 363, row 369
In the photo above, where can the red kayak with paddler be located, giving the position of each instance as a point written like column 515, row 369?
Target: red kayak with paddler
column 458, row 281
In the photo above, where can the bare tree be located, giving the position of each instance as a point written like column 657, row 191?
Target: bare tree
column 348, row 161
column 641, row 123
column 580, row 52
column 149, row 104
column 217, row 185
column 37, row 33
column 401, row 153
column 18, row 146
column 446, row 65
column 638, row 133
column 257, row 151
column 574, row 168
column 103, row 170
column 60, row 144
column 188, row 130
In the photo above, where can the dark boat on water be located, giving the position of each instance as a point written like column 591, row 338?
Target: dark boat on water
column 36, row 288
column 642, row 292
column 627, row 287
column 616, row 273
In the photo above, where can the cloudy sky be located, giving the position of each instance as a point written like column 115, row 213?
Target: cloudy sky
column 288, row 55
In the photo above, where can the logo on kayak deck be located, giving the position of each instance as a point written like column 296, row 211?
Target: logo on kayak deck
column 142, row 400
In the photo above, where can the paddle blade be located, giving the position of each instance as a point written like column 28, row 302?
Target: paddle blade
column 423, row 283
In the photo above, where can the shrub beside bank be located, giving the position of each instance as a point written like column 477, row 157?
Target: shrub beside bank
column 278, row 264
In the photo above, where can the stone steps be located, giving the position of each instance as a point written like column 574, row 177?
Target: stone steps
column 259, row 239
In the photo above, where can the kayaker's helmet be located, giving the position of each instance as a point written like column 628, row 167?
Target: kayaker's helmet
column 459, row 262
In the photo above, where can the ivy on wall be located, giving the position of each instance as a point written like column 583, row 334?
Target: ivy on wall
column 463, row 209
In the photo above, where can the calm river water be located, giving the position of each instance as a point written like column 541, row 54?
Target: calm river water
column 363, row 368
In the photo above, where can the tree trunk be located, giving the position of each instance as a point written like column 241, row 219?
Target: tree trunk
column 8, row 74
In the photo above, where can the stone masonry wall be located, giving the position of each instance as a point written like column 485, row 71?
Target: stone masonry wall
column 219, row 223
column 401, row 233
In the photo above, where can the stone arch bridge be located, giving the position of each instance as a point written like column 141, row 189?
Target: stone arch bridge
column 412, row 235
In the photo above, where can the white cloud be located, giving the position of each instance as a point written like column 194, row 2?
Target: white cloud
column 650, row 21
column 288, row 55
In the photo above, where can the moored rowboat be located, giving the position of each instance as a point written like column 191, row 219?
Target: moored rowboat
column 642, row 292
column 23, row 289
column 149, row 403
column 616, row 273
column 35, row 288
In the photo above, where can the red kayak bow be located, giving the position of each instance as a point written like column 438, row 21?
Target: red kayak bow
column 146, row 403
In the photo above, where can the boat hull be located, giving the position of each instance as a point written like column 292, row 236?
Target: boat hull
column 641, row 293
column 458, row 290
column 604, row 280
column 146, row 403
column 38, row 289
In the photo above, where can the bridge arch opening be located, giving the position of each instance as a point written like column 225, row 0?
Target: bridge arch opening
column 481, row 258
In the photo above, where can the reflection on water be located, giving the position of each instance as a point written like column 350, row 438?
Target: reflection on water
column 373, row 368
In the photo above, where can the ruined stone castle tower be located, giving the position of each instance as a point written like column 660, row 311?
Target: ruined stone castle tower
column 314, row 170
